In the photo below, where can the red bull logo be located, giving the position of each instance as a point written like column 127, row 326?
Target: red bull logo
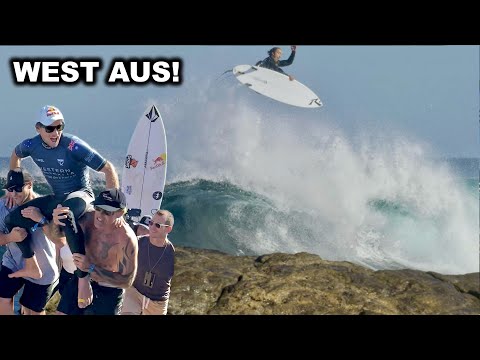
column 130, row 161
column 159, row 161
column 52, row 111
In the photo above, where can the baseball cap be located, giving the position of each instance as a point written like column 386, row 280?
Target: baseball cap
column 14, row 178
column 111, row 200
column 144, row 221
column 49, row 114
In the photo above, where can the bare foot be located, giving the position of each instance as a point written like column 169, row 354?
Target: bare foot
column 85, row 293
column 31, row 270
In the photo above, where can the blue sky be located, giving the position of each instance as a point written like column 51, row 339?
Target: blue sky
column 430, row 93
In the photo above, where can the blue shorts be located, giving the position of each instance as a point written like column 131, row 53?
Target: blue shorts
column 34, row 297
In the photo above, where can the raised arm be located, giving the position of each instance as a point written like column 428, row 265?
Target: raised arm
column 15, row 161
column 290, row 59
column 111, row 176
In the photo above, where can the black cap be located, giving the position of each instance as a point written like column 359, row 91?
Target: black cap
column 111, row 200
column 144, row 221
column 14, row 178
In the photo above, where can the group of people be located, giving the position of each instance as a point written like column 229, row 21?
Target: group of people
column 105, row 268
column 108, row 266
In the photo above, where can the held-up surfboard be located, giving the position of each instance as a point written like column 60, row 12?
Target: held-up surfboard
column 276, row 86
column 145, row 168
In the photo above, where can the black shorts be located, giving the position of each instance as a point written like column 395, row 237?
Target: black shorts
column 106, row 300
column 34, row 297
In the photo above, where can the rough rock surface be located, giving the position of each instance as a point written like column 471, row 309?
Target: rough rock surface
column 211, row 282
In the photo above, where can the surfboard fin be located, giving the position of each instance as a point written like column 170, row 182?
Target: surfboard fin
column 316, row 101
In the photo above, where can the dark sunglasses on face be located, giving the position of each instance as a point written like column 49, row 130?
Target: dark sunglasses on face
column 103, row 211
column 158, row 226
column 16, row 188
column 51, row 128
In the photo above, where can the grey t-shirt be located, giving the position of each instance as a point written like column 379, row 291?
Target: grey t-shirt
column 66, row 166
column 44, row 251
column 163, row 270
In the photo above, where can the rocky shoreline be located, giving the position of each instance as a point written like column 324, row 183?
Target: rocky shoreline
column 209, row 282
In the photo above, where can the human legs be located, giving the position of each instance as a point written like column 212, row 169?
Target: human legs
column 156, row 308
column 35, row 298
column 108, row 300
column 68, row 289
column 78, row 202
column 8, row 288
column 132, row 302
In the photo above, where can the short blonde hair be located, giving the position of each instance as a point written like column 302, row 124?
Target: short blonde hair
column 169, row 216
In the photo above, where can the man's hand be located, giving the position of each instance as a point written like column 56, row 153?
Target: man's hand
column 9, row 202
column 119, row 222
column 60, row 213
column 17, row 234
column 293, row 48
column 81, row 261
column 32, row 213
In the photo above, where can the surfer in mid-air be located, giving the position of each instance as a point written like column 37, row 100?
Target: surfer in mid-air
column 273, row 61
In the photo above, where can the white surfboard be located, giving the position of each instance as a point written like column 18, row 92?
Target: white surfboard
column 145, row 168
column 276, row 86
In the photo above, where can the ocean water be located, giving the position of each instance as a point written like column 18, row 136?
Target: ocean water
column 250, row 178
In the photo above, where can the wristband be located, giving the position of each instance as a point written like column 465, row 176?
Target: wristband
column 42, row 222
column 91, row 268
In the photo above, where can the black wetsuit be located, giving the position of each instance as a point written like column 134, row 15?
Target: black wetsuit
column 269, row 63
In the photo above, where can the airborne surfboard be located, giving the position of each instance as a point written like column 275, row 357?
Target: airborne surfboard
column 276, row 86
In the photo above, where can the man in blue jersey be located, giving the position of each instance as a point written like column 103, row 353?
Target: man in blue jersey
column 64, row 160
column 273, row 61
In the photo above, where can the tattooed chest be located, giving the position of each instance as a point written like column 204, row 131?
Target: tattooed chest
column 105, row 251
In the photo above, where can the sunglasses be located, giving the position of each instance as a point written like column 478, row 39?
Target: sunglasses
column 49, row 129
column 158, row 226
column 103, row 211
column 16, row 188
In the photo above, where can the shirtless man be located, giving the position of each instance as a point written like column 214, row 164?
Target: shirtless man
column 110, row 259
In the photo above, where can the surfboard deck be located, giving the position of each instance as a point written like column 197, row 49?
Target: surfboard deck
column 145, row 169
column 276, row 86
